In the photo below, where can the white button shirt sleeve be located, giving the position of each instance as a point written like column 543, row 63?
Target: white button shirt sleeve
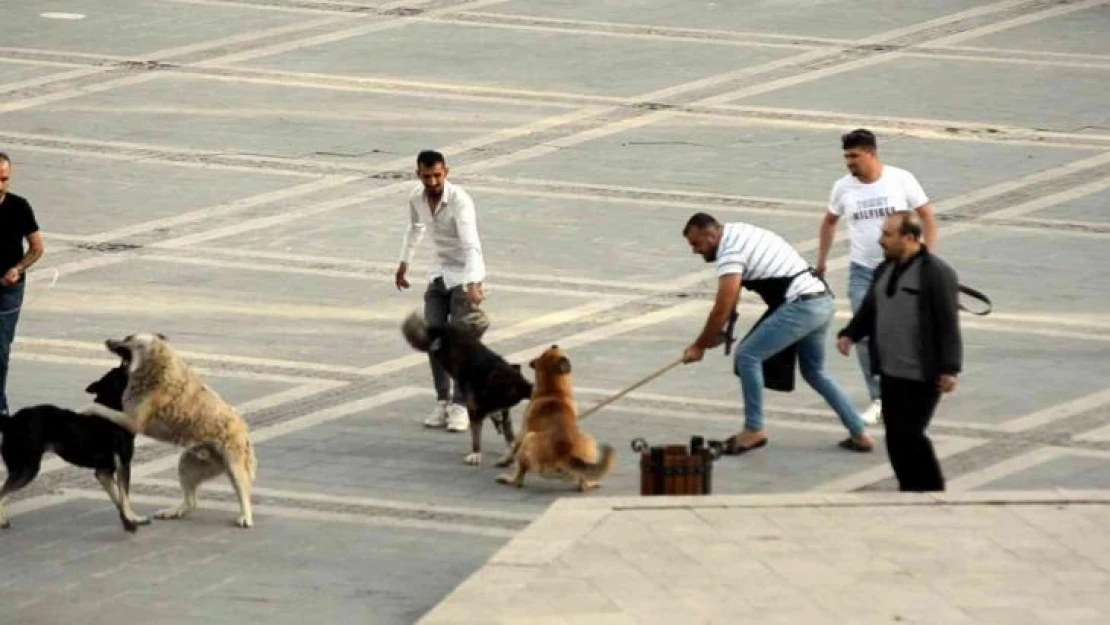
column 466, row 221
column 413, row 234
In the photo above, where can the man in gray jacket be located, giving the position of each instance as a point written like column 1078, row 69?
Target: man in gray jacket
column 911, row 316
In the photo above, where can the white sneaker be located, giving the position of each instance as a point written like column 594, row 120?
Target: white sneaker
column 874, row 412
column 458, row 420
column 438, row 418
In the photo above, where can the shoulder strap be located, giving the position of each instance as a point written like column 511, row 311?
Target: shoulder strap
column 979, row 295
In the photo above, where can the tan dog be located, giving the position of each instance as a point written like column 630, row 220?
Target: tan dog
column 166, row 400
column 551, row 443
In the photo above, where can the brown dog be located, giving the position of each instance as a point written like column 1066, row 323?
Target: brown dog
column 551, row 443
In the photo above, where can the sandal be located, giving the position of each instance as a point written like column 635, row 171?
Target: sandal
column 733, row 447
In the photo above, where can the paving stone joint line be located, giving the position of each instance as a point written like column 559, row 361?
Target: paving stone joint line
column 366, row 510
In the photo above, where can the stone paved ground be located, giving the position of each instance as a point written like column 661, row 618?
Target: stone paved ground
column 232, row 173
column 1030, row 558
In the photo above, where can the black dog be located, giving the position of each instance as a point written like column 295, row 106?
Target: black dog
column 490, row 383
column 79, row 440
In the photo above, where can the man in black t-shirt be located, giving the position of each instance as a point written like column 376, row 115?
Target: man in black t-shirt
column 17, row 223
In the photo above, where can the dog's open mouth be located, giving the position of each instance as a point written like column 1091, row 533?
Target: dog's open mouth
column 118, row 348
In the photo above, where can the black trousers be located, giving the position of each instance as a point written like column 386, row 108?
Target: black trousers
column 908, row 407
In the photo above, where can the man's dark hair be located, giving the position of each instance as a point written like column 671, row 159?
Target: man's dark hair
column 430, row 158
column 4, row 158
column 910, row 225
column 701, row 221
column 859, row 138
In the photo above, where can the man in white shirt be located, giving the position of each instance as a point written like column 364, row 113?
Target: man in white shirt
column 455, row 280
column 867, row 195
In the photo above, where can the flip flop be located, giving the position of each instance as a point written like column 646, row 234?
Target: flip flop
column 732, row 446
column 851, row 445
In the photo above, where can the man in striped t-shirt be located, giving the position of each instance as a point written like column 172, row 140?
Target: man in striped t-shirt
column 800, row 310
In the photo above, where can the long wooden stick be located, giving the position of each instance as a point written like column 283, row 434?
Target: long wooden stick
column 628, row 390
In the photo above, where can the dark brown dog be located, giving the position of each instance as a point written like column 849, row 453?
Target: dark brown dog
column 491, row 384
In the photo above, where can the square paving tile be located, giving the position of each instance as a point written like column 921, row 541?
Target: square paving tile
column 522, row 59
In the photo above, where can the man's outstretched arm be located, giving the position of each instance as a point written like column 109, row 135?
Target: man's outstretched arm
column 728, row 296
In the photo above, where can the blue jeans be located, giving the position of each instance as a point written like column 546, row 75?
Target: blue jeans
column 805, row 324
column 859, row 280
column 11, row 299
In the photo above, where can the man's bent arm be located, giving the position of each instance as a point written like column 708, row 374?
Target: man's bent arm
column 946, row 318
column 413, row 234
column 466, row 220
column 34, row 252
column 862, row 323
column 928, row 225
column 728, row 296
column 825, row 237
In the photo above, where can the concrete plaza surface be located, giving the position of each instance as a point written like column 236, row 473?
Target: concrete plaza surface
column 233, row 173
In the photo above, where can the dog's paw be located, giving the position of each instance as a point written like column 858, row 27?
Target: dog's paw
column 132, row 524
column 474, row 459
column 170, row 514
column 584, row 486
column 507, row 480
column 244, row 522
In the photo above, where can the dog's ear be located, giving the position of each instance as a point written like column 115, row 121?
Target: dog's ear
column 161, row 336
column 532, row 363
column 563, row 365
column 93, row 388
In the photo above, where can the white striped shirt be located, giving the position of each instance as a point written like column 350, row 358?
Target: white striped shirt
column 759, row 254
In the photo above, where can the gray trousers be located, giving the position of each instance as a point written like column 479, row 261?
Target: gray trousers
column 442, row 305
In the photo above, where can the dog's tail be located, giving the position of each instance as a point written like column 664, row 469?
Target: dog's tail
column 594, row 471
column 415, row 331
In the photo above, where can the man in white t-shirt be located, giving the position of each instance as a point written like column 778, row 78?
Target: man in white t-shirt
column 867, row 195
